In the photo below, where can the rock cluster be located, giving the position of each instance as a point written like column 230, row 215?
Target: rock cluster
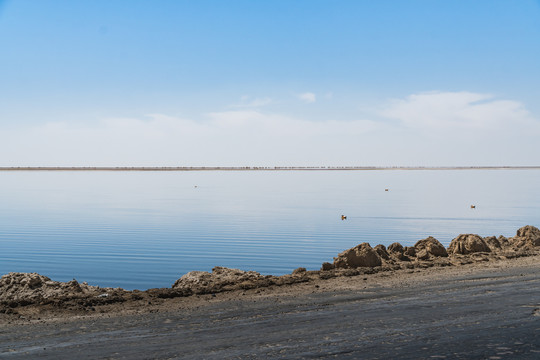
column 364, row 255
column 430, row 251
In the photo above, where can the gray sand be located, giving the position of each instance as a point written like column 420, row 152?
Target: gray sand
column 485, row 310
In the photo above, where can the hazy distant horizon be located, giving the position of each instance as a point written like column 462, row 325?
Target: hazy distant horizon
column 257, row 168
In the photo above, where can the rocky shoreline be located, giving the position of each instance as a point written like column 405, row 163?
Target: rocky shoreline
column 32, row 294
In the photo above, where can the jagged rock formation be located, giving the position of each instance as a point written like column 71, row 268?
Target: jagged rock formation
column 429, row 247
column 225, row 279
column 34, row 287
column 397, row 251
column 220, row 279
column 362, row 255
column 430, row 252
column 471, row 243
column 396, row 248
column 496, row 243
column 527, row 237
column 382, row 252
column 409, row 251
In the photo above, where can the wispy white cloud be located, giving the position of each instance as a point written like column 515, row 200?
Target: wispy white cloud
column 222, row 138
column 308, row 97
column 456, row 128
column 280, row 125
column 426, row 129
column 455, row 110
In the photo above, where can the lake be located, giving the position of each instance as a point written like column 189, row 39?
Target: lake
column 139, row 230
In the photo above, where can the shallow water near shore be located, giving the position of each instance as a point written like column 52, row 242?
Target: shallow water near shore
column 146, row 229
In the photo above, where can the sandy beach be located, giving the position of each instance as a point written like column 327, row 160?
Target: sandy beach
column 481, row 310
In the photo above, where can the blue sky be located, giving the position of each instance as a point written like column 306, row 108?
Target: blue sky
column 269, row 82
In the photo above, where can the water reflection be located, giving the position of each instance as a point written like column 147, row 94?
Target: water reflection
column 145, row 229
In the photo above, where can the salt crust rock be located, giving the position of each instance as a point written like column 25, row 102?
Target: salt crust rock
column 299, row 270
column 362, row 255
column 326, row 266
column 526, row 237
column 409, row 251
column 470, row 243
column 396, row 248
column 34, row 287
column 219, row 278
column 503, row 241
column 381, row 251
column 397, row 251
column 492, row 242
column 429, row 247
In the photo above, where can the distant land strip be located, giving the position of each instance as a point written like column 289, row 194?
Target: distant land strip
column 255, row 168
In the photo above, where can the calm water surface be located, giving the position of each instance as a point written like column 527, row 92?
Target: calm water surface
column 146, row 229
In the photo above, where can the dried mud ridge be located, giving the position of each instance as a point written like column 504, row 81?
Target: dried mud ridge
column 19, row 290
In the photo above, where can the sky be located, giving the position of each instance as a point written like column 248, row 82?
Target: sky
column 269, row 83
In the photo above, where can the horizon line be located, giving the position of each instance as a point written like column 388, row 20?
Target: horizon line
column 258, row 168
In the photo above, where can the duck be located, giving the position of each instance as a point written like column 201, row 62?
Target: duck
column 343, row 217
column 473, row 206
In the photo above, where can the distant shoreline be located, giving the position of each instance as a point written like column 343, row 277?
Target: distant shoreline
column 258, row 168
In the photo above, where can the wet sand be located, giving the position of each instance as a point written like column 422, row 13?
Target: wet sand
column 488, row 310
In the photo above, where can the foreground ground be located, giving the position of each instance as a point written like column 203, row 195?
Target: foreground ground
column 485, row 310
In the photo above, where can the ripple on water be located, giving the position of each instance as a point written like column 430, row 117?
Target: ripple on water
column 141, row 230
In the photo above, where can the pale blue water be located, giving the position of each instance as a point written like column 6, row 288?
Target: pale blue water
column 146, row 229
